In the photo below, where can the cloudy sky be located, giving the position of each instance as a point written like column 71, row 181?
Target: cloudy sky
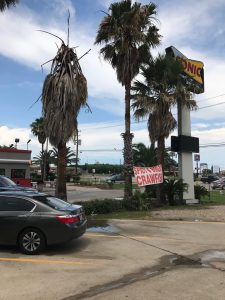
column 196, row 28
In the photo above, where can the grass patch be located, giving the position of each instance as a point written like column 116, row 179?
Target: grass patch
column 216, row 197
column 135, row 215
column 144, row 215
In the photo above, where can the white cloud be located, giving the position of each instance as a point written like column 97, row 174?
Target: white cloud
column 181, row 24
column 21, row 42
column 8, row 135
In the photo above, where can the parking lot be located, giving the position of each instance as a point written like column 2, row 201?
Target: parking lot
column 123, row 259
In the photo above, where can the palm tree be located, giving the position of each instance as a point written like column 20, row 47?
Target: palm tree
column 147, row 156
column 144, row 156
column 70, row 156
column 156, row 96
column 7, row 3
column 44, row 159
column 64, row 93
column 127, row 32
column 38, row 130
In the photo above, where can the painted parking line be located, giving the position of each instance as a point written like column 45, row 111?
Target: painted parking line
column 56, row 262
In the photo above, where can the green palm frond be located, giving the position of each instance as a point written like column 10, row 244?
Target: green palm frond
column 38, row 130
column 127, row 32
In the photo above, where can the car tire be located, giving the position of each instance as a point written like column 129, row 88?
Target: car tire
column 31, row 241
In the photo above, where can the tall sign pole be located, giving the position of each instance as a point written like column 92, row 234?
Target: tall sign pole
column 185, row 144
column 185, row 161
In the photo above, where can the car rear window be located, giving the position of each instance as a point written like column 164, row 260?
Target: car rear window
column 53, row 202
column 4, row 181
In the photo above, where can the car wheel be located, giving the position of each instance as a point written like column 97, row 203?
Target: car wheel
column 31, row 241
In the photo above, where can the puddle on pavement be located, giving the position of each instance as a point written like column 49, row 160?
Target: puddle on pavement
column 205, row 259
column 185, row 261
column 166, row 264
column 100, row 226
column 211, row 257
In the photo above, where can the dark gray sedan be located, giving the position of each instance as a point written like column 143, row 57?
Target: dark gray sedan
column 35, row 220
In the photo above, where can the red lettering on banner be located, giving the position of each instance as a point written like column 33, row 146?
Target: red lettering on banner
column 148, row 175
column 199, row 72
column 139, row 182
column 143, row 180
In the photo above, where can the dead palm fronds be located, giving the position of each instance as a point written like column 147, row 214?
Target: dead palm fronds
column 64, row 93
column 7, row 3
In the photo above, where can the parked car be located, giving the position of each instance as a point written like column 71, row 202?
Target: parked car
column 7, row 184
column 115, row 178
column 36, row 220
column 219, row 184
column 209, row 179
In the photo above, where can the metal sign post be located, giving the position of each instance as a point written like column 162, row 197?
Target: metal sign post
column 184, row 144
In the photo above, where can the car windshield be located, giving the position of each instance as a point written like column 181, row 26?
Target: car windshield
column 53, row 202
column 4, row 181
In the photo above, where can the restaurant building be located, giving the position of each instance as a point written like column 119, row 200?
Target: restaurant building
column 15, row 164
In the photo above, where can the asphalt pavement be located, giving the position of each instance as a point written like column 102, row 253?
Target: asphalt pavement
column 124, row 259
column 79, row 193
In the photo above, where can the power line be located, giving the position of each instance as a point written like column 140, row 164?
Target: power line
column 220, row 103
column 201, row 100
column 222, row 144
column 145, row 120
column 212, row 145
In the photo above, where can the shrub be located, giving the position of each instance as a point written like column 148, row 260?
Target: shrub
column 200, row 191
column 76, row 178
column 140, row 201
column 174, row 189
column 105, row 206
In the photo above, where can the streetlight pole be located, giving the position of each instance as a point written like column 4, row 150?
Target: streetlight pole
column 28, row 143
column 17, row 141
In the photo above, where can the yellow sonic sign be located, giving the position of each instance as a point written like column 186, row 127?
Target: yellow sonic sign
column 193, row 68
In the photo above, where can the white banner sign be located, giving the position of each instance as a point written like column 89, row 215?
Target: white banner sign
column 149, row 175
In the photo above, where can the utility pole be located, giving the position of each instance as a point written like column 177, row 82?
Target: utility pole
column 77, row 142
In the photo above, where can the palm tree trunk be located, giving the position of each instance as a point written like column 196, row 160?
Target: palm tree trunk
column 42, row 162
column 128, row 155
column 61, row 173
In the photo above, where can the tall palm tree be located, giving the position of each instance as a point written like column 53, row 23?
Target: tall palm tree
column 64, row 93
column 156, row 96
column 38, row 130
column 127, row 32
column 7, row 3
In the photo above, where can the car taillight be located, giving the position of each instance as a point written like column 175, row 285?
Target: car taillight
column 66, row 219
